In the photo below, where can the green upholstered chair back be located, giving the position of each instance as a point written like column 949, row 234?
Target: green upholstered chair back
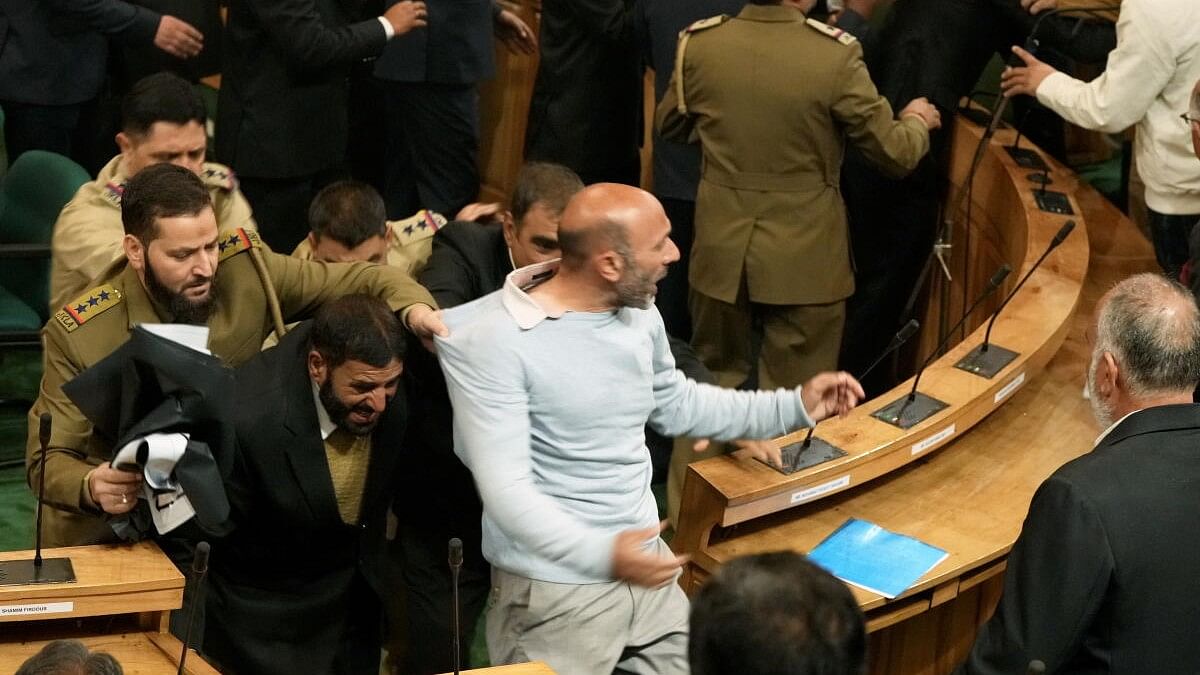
column 34, row 191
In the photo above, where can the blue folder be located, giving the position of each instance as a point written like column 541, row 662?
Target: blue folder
column 874, row 559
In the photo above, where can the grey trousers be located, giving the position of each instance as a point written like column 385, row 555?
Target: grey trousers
column 588, row 629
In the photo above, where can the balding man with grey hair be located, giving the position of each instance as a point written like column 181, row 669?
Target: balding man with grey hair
column 1103, row 577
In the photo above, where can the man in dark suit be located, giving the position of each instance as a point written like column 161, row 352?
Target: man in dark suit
column 296, row 587
column 1102, row 578
column 586, row 112
column 282, row 118
column 431, row 79
column 52, row 64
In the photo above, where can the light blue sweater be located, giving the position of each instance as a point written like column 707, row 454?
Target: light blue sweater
column 550, row 419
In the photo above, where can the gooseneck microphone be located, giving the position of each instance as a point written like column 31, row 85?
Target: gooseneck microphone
column 992, row 284
column 44, row 442
column 898, row 340
column 199, row 571
column 1059, row 237
column 455, row 558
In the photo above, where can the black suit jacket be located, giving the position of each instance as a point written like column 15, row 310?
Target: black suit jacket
column 1103, row 578
column 587, row 99
column 455, row 48
column 284, row 586
column 52, row 52
column 282, row 106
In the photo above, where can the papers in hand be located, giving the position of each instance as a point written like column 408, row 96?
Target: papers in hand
column 192, row 337
column 156, row 456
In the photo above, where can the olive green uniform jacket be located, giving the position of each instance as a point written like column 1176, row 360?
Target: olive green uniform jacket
column 88, row 234
column 772, row 99
column 91, row 326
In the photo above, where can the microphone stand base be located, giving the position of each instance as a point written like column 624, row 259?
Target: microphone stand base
column 25, row 573
column 906, row 414
column 1026, row 158
column 796, row 457
column 986, row 364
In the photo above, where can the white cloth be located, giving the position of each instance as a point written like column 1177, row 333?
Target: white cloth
column 169, row 506
column 1148, row 82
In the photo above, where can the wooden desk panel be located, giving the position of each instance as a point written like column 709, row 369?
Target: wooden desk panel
column 138, row 653
column 110, row 580
column 971, row 496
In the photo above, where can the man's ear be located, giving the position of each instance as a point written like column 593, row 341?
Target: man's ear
column 318, row 370
column 1109, row 376
column 610, row 266
column 124, row 142
column 135, row 253
column 509, row 227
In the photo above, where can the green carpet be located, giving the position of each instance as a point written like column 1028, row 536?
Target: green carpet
column 20, row 372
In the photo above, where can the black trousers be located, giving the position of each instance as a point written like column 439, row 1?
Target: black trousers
column 672, row 298
column 29, row 126
column 433, row 147
column 428, row 598
column 281, row 205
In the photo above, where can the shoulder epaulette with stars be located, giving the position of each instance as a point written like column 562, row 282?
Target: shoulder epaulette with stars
column 88, row 306
column 113, row 192
column 831, row 31
column 218, row 176
column 233, row 242
column 421, row 225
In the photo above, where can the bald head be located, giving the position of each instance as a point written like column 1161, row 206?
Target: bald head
column 605, row 217
column 617, row 238
column 1151, row 326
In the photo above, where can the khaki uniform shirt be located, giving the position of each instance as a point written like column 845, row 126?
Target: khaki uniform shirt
column 87, row 237
column 772, row 100
column 92, row 325
column 410, row 241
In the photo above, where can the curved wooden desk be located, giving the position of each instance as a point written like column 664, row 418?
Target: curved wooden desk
column 971, row 494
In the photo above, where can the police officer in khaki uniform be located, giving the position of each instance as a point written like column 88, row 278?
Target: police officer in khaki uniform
column 772, row 98
column 252, row 290
column 163, row 121
column 348, row 222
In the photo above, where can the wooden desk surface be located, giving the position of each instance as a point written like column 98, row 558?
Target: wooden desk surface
column 109, row 580
column 138, row 653
column 971, row 498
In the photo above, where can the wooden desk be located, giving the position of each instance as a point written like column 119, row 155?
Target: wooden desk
column 109, row 580
column 120, row 604
column 971, row 495
column 139, row 653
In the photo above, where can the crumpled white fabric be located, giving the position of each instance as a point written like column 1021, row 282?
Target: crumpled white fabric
column 169, row 506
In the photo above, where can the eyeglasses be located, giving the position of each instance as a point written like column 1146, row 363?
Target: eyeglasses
column 1188, row 117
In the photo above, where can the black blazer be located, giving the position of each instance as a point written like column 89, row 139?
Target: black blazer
column 53, row 52
column 454, row 48
column 1103, row 578
column 587, row 99
column 283, row 584
column 282, row 106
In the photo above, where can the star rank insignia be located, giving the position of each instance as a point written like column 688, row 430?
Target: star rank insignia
column 233, row 242
column 88, row 306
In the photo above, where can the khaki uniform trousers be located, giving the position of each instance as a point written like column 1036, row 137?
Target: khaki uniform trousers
column 797, row 341
column 588, row 629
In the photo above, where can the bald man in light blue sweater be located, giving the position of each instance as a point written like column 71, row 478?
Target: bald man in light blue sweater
column 552, row 380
